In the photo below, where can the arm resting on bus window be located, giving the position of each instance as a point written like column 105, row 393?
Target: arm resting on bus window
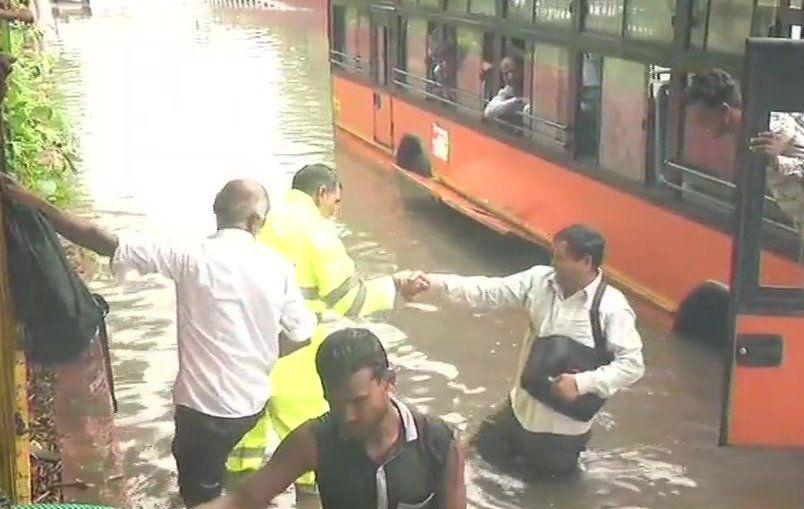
column 295, row 456
column 487, row 293
column 453, row 490
column 628, row 365
column 75, row 229
column 503, row 104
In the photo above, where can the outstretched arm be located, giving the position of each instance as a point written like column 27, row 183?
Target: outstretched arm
column 76, row 229
column 294, row 457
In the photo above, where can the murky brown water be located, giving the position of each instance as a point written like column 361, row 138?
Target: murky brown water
column 175, row 98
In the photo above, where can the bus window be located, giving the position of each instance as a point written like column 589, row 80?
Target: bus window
column 459, row 6
column 442, row 64
column 604, row 16
column 725, row 24
column 432, row 4
column 415, row 74
column 556, row 12
column 351, row 47
column 623, row 118
column 764, row 24
column 588, row 122
column 785, row 208
column 650, row 20
column 509, row 108
column 357, row 41
column 338, row 35
column 470, row 68
column 520, row 10
column 550, row 92
column 483, row 7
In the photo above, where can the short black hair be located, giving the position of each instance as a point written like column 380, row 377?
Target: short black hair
column 583, row 241
column 345, row 352
column 314, row 176
column 713, row 88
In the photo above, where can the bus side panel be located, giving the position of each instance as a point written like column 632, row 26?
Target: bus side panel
column 354, row 107
column 764, row 409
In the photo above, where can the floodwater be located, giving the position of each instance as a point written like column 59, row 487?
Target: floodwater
column 172, row 99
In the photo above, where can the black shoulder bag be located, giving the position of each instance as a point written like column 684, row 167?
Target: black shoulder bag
column 551, row 356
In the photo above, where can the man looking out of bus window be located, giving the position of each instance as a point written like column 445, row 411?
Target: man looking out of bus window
column 720, row 112
column 557, row 300
column 370, row 450
column 508, row 104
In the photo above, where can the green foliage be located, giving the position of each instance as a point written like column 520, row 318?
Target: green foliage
column 40, row 147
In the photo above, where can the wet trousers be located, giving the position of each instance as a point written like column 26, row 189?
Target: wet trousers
column 201, row 445
column 503, row 442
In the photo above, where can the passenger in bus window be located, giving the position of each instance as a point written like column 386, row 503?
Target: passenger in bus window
column 442, row 66
column 720, row 112
column 783, row 145
column 509, row 104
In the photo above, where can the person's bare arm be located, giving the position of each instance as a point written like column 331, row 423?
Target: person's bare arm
column 75, row 229
column 453, row 491
column 295, row 456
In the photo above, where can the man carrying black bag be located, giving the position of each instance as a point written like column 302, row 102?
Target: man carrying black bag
column 562, row 377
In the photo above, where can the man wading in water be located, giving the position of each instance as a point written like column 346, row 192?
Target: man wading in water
column 371, row 450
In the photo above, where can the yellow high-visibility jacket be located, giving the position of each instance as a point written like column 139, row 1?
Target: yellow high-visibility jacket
column 326, row 275
column 324, row 270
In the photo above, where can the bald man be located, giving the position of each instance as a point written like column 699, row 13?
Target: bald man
column 234, row 298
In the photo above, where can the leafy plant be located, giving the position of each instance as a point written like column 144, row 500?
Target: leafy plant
column 40, row 147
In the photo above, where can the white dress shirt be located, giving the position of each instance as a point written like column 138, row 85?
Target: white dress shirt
column 550, row 313
column 233, row 297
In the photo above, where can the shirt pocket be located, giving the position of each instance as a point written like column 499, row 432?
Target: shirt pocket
column 427, row 503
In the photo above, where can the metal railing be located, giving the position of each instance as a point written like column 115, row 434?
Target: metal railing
column 348, row 62
column 725, row 185
column 402, row 79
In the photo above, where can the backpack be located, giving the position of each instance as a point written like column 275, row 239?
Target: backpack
column 59, row 314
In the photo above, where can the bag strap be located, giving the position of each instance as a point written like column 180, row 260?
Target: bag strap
column 601, row 344
column 103, row 336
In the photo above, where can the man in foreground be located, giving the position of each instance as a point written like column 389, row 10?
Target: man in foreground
column 370, row 450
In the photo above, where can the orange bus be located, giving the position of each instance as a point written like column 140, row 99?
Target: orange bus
column 602, row 134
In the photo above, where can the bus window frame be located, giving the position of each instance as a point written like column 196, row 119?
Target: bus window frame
column 748, row 290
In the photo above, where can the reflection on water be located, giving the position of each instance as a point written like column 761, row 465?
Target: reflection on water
column 175, row 98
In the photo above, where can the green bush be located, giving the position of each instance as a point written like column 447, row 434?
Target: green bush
column 40, row 147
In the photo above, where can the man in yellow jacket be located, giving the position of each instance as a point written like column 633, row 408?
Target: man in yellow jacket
column 302, row 230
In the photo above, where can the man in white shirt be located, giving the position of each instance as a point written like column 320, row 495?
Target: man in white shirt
column 234, row 298
column 558, row 299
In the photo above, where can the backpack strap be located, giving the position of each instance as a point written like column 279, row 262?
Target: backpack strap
column 435, row 439
column 103, row 336
column 601, row 343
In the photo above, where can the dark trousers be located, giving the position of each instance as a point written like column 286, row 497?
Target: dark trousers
column 201, row 446
column 503, row 442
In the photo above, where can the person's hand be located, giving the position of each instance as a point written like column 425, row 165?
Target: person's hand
column 411, row 283
column 14, row 190
column 770, row 144
column 566, row 388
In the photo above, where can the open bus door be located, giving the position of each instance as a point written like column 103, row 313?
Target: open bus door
column 766, row 361
column 382, row 35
